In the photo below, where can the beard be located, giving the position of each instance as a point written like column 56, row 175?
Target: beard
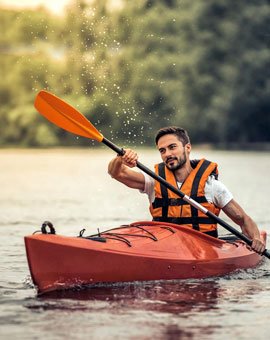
column 181, row 161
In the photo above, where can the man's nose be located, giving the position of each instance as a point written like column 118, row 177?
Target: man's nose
column 168, row 153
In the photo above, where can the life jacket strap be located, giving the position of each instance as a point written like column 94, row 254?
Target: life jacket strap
column 161, row 202
column 185, row 220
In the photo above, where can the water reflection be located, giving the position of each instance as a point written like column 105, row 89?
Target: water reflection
column 170, row 297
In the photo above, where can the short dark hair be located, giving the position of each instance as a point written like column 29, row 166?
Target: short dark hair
column 180, row 133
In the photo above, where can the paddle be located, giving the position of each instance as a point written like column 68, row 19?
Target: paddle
column 68, row 118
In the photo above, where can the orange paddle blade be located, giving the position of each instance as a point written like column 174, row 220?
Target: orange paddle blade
column 65, row 116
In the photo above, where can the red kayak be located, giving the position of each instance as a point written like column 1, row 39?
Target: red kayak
column 141, row 251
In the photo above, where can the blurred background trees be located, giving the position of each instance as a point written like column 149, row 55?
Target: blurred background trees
column 133, row 68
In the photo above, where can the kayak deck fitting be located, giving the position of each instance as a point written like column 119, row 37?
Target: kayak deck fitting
column 141, row 251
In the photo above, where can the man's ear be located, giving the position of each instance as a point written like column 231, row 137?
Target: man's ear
column 188, row 148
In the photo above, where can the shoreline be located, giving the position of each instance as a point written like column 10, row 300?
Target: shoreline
column 261, row 147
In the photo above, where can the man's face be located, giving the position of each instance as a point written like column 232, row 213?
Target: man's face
column 172, row 151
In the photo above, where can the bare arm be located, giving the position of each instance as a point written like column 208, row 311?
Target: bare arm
column 248, row 226
column 120, row 169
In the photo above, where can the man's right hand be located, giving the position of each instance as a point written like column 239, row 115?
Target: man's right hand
column 130, row 158
column 119, row 169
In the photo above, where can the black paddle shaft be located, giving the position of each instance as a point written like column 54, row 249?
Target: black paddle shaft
column 186, row 198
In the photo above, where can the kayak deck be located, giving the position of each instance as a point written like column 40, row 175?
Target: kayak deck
column 141, row 251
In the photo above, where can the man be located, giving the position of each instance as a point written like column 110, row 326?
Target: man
column 197, row 179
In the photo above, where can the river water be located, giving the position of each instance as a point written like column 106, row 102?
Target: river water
column 71, row 188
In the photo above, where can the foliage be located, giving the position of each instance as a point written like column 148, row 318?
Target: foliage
column 132, row 69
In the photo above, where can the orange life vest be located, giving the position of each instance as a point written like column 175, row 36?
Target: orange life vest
column 169, row 207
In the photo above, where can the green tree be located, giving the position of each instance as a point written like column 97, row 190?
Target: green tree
column 226, row 83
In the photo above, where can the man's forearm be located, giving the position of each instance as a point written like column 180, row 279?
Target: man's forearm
column 249, row 227
column 115, row 167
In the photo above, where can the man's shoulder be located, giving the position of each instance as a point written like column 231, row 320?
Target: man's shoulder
column 216, row 186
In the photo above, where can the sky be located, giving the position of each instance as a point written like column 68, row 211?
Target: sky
column 56, row 6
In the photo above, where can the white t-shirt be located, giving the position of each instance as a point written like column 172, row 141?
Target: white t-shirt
column 215, row 191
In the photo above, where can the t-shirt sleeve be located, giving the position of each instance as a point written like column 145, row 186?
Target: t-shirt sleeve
column 149, row 184
column 220, row 194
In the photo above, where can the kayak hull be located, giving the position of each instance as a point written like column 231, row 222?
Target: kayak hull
column 153, row 251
